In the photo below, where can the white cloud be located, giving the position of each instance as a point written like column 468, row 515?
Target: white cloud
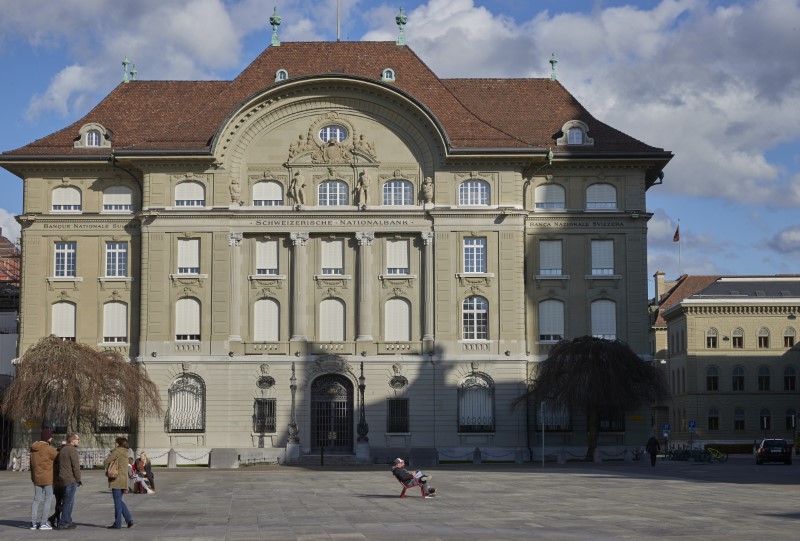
column 11, row 229
column 787, row 240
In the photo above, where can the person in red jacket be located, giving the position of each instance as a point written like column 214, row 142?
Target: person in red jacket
column 42, row 457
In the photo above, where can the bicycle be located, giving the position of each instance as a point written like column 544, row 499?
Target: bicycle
column 714, row 454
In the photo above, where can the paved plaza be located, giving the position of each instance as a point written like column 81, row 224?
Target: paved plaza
column 615, row 500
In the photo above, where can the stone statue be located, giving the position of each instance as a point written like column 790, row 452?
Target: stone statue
column 427, row 190
column 236, row 191
column 362, row 189
column 364, row 146
column 298, row 146
column 296, row 189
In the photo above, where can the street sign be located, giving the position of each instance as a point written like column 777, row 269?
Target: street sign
column 692, row 426
column 666, row 427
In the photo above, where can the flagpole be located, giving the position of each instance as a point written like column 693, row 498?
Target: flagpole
column 680, row 267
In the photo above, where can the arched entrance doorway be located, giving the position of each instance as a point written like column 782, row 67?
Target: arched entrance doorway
column 332, row 411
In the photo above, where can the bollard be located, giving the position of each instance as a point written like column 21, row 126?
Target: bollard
column 172, row 459
column 476, row 456
column 519, row 457
column 562, row 456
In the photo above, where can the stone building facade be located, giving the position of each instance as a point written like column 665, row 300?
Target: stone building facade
column 339, row 248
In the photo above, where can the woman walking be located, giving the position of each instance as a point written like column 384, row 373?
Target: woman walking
column 119, row 485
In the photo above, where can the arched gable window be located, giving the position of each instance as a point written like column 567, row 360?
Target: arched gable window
column 398, row 193
column 187, row 320
column 93, row 138
column 281, row 75
column 190, row 194
column 118, row 198
column 267, row 193
column 333, row 193
column 473, row 192
column 397, row 320
column 476, row 404
column 266, row 320
column 601, row 197
column 549, row 197
column 387, row 75
column 475, row 318
column 187, row 404
column 67, row 199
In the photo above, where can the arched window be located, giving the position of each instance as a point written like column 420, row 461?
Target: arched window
column 574, row 136
column 267, row 193
column 187, row 320
column 712, row 378
column 683, row 379
column 601, row 197
column 765, row 420
column 763, row 378
column 331, row 320
column 93, row 138
column 333, row 132
column 711, row 339
column 788, row 337
column 789, row 379
column 190, row 194
column 551, row 321
column 473, row 192
column 333, row 193
column 63, row 320
column 763, row 338
column 115, row 322
column 737, row 380
column 266, row 321
column 549, row 197
column 738, row 419
column 398, row 193
column 713, row 419
column 476, row 404
column 397, row 320
column 66, row 199
column 118, row 198
column 604, row 319
column 737, row 339
column 387, row 75
column 281, row 75
column 791, row 419
column 187, row 405
column 475, row 318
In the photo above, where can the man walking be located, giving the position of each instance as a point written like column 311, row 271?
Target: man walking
column 43, row 456
column 652, row 448
column 69, row 477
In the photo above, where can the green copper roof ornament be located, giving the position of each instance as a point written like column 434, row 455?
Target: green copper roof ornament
column 553, row 62
column 134, row 72
column 125, row 64
column 275, row 21
column 401, row 21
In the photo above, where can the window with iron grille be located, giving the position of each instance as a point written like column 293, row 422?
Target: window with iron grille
column 112, row 417
column 476, row 404
column 555, row 416
column 612, row 421
column 187, row 405
column 397, row 415
column 264, row 415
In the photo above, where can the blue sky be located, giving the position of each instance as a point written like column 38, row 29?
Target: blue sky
column 715, row 82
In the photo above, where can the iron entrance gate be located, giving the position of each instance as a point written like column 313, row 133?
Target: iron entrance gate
column 332, row 411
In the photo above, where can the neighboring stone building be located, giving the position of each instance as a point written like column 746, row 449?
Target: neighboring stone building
column 9, row 309
column 729, row 347
column 338, row 217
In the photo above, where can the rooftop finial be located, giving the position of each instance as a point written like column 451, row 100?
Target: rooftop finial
column 275, row 21
column 134, row 72
column 125, row 64
column 401, row 21
column 553, row 62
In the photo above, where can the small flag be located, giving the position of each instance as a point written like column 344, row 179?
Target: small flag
column 677, row 236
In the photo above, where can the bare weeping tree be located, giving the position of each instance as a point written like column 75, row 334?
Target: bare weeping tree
column 78, row 385
column 596, row 376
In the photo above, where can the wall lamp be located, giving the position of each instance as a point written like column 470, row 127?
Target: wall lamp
column 792, row 317
column 154, row 354
column 725, row 338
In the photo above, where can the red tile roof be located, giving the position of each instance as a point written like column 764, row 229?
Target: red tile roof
column 685, row 287
column 475, row 113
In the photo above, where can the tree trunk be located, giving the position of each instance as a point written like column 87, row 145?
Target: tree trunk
column 592, row 432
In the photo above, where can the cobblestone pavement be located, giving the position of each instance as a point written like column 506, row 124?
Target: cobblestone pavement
column 615, row 500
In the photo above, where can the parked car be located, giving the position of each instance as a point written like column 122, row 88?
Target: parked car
column 774, row 450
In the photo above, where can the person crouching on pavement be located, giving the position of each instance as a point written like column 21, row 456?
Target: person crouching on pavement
column 407, row 478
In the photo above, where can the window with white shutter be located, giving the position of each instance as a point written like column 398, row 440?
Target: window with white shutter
column 115, row 322
column 331, row 320
column 397, row 257
column 398, row 320
column 63, row 320
column 117, row 198
column 549, row 196
column 67, row 199
column 187, row 320
column 604, row 319
column 602, row 257
column 190, row 194
column 550, row 258
column 266, row 320
column 601, row 196
column 332, row 257
column 551, row 321
column 188, row 256
column 267, row 194
column 267, row 257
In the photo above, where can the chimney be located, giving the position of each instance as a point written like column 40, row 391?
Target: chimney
column 660, row 285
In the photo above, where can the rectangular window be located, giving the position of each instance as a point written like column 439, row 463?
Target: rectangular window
column 115, row 322
column 397, row 257
column 397, row 415
column 332, row 257
column 475, row 254
column 267, row 257
column 612, row 421
column 116, row 259
column 602, row 257
column 188, row 256
column 738, row 424
column 713, row 423
column 264, row 415
column 550, row 258
column 65, row 259
column 554, row 415
column 551, row 321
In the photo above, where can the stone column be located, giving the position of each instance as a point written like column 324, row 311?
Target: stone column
column 364, row 290
column 299, row 300
column 428, row 303
column 235, row 304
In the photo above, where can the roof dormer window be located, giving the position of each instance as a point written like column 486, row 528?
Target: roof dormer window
column 575, row 133
column 387, row 75
column 281, row 75
column 93, row 135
